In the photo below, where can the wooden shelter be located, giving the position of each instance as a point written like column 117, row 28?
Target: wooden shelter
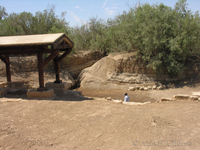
column 38, row 45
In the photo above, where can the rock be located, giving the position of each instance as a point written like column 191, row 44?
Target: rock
column 135, row 103
column 160, row 88
column 181, row 97
column 199, row 98
column 193, row 98
column 109, row 98
column 164, row 87
column 154, row 87
column 117, row 101
column 146, row 89
column 170, row 85
column 137, row 87
column 131, row 89
column 149, row 88
column 41, row 94
column 196, row 94
column 142, row 88
column 166, row 99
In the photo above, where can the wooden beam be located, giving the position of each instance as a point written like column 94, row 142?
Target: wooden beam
column 64, row 55
column 49, row 58
column 8, row 74
column 3, row 59
column 68, row 41
column 57, row 60
column 64, row 46
column 55, row 46
column 24, row 50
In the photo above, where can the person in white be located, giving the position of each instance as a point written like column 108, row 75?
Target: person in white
column 126, row 98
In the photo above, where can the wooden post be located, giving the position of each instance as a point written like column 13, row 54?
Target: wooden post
column 8, row 74
column 57, row 60
column 5, row 59
column 40, row 70
column 57, row 69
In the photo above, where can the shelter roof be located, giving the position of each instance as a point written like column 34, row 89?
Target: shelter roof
column 38, row 39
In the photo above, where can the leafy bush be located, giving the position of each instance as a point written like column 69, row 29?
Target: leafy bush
column 164, row 38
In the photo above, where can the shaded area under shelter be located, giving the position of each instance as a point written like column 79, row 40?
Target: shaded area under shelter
column 40, row 44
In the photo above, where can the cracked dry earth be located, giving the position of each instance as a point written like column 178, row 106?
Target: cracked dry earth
column 78, row 123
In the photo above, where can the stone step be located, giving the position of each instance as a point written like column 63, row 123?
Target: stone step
column 60, row 90
column 181, row 97
column 52, row 85
column 41, row 94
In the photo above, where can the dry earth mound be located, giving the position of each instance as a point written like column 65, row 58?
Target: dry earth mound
column 113, row 70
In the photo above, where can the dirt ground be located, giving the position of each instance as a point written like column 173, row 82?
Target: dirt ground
column 141, row 96
column 73, row 122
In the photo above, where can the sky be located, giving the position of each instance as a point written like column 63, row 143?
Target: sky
column 80, row 11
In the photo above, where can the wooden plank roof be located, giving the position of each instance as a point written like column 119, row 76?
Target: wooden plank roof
column 38, row 39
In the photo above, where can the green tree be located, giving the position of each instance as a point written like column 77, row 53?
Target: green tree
column 164, row 37
column 40, row 23
column 3, row 13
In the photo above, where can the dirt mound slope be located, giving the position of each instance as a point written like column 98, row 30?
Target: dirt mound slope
column 111, row 71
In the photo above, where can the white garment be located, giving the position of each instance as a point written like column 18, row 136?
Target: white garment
column 126, row 98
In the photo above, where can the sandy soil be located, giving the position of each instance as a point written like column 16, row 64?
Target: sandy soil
column 73, row 122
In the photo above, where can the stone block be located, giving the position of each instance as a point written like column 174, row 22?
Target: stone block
column 52, row 85
column 109, row 98
column 166, row 99
column 117, row 101
column 58, row 87
column 193, row 98
column 60, row 90
column 135, row 103
column 149, row 88
column 40, row 94
column 181, row 97
column 160, row 88
column 17, row 91
column 142, row 88
column 131, row 88
column 196, row 94
column 154, row 87
column 137, row 87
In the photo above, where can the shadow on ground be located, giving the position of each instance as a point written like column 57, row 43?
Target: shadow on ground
column 68, row 96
